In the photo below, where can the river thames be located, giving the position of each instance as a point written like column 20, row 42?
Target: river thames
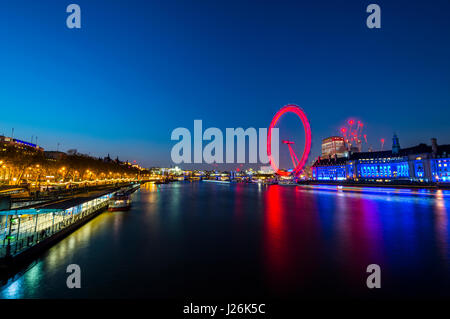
column 210, row 240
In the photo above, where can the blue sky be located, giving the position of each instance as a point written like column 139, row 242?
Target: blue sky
column 136, row 70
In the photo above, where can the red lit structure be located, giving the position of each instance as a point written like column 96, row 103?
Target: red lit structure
column 290, row 108
column 352, row 136
column 291, row 151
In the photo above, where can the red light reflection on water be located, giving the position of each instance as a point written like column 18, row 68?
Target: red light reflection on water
column 239, row 201
column 329, row 238
column 291, row 238
column 275, row 241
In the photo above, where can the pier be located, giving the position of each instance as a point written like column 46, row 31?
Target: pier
column 26, row 232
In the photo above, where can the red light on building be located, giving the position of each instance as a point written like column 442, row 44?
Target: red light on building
column 333, row 145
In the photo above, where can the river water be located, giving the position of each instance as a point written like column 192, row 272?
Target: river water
column 209, row 240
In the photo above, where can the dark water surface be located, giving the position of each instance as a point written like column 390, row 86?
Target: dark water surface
column 208, row 240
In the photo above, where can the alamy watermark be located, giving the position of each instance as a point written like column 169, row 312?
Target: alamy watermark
column 74, row 18
column 234, row 145
column 374, row 19
column 74, row 279
column 73, row 21
column 374, row 279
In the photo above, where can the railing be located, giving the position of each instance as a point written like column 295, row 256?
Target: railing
column 22, row 229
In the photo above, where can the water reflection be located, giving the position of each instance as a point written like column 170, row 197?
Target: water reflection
column 442, row 228
column 292, row 239
column 358, row 236
column 275, row 245
column 14, row 290
column 207, row 240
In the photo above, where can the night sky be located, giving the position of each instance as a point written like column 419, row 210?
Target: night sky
column 136, row 70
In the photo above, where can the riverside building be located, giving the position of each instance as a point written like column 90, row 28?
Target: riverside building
column 334, row 145
column 421, row 163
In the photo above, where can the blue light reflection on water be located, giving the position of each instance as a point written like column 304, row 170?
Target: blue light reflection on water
column 405, row 231
column 200, row 239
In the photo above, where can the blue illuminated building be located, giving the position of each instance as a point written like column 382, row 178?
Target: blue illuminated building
column 440, row 170
column 335, row 172
column 25, row 143
column 421, row 163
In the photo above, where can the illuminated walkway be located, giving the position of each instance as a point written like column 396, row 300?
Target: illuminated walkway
column 23, row 229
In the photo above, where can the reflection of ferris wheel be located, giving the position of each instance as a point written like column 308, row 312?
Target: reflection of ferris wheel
column 298, row 165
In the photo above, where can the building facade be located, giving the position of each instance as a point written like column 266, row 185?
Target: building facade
column 18, row 144
column 421, row 163
column 333, row 146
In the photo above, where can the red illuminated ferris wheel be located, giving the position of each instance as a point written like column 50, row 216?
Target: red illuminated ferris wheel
column 298, row 165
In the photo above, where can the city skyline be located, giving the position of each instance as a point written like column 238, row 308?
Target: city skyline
column 121, row 88
column 224, row 158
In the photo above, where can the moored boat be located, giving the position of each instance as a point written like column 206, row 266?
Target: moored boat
column 119, row 201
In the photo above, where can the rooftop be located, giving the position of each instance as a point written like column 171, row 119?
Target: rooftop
column 442, row 150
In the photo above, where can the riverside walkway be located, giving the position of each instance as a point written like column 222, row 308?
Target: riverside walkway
column 23, row 229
